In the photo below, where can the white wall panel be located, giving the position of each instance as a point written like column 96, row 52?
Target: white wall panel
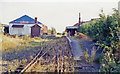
column 26, row 30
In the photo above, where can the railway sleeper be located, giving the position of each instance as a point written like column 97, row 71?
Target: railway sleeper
column 19, row 69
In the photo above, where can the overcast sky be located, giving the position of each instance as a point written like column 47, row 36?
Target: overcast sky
column 55, row 13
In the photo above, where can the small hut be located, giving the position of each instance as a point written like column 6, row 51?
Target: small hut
column 71, row 30
column 35, row 29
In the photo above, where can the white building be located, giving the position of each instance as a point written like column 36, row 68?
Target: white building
column 22, row 25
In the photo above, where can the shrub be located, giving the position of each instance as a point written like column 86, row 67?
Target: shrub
column 99, row 57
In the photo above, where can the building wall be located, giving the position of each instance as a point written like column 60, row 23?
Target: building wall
column 26, row 30
column 44, row 29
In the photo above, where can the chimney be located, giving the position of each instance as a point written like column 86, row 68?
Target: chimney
column 35, row 20
column 79, row 19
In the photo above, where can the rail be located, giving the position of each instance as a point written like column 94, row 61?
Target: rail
column 34, row 61
column 60, row 66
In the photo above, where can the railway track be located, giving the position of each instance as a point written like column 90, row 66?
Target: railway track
column 58, row 60
column 20, row 69
column 31, row 64
column 44, row 53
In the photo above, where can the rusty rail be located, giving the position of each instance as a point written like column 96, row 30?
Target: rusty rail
column 33, row 62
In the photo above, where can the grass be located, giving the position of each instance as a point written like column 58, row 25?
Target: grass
column 19, row 50
column 8, row 43
column 13, row 42
column 59, row 35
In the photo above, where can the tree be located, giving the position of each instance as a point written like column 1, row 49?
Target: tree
column 52, row 29
column 104, row 29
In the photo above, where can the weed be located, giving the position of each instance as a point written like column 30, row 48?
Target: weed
column 93, row 54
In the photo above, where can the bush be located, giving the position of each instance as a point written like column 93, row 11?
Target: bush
column 104, row 29
column 99, row 57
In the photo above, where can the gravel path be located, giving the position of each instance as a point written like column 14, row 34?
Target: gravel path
column 80, row 64
column 88, row 45
column 76, row 49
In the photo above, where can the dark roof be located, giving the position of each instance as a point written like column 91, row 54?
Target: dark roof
column 25, row 20
column 18, row 26
column 80, row 24
column 36, row 25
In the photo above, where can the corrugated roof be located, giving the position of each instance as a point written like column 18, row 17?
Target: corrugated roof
column 72, row 27
column 25, row 20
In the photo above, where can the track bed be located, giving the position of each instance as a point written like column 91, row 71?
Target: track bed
column 54, row 57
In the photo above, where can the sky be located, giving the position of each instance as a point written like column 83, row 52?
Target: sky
column 55, row 13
